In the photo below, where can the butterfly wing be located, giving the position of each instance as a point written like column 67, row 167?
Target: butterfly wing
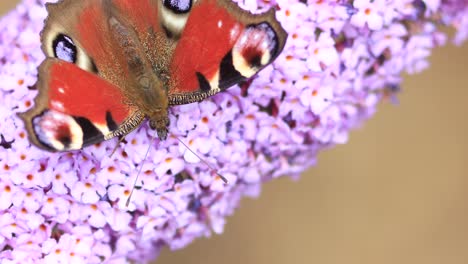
column 219, row 46
column 82, row 83
column 75, row 108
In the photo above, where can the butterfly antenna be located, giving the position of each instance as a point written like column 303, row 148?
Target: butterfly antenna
column 140, row 170
column 204, row 161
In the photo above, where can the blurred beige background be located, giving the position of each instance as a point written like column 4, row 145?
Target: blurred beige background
column 396, row 193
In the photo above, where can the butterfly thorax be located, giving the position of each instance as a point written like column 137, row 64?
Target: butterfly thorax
column 146, row 90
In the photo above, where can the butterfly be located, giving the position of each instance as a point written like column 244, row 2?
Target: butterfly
column 112, row 64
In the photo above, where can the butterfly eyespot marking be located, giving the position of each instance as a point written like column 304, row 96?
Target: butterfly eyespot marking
column 57, row 131
column 257, row 47
column 57, row 43
column 64, row 48
column 174, row 16
column 178, row 6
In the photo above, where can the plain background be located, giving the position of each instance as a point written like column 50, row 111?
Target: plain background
column 396, row 193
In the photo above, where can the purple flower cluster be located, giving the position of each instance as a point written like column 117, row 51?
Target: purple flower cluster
column 341, row 59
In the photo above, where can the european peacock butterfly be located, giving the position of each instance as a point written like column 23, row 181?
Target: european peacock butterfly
column 113, row 63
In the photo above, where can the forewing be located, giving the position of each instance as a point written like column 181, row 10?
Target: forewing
column 101, row 47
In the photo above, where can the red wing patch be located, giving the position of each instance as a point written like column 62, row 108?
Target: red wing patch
column 209, row 35
column 76, row 92
column 143, row 14
column 92, row 31
column 75, row 108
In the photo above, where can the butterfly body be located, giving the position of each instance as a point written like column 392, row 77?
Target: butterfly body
column 111, row 64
